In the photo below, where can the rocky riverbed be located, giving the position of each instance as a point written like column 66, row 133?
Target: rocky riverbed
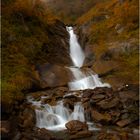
column 114, row 114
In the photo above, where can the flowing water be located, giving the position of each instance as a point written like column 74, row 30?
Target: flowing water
column 82, row 80
column 76, row 53
column 55, row 117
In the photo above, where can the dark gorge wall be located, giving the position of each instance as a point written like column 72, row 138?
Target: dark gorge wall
column 57, row 48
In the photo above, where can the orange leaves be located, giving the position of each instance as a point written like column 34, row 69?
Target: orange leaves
column 29, row 7
column 127, row 13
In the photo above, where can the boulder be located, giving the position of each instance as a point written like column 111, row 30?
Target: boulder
column 74, row 126
column 98, row 96
column 108, row 103
column 52, row 75
column 99, row 90
column 100, row 117
column 84, row 100
column 43, row 134
column 87, row 93
column 78, row 129
column 123, row 123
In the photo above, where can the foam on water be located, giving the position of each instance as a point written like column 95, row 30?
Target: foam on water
column 55, row 117
column 81, row 80
column 76, row 53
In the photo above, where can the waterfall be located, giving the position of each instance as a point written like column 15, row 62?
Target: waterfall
column 76, row 53
column 78, row 113
column 55, row 117
column 52, row 117
column 81, row 80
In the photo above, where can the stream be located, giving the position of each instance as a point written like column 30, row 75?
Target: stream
column 55, row 117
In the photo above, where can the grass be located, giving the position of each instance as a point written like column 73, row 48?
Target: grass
column 101, row 31
column 24, row 31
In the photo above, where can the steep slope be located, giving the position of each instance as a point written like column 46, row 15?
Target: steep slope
column 31, row 36
column 112, row 29
column 69, row 10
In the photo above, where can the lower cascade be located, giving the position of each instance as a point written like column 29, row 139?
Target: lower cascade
column 55, row 117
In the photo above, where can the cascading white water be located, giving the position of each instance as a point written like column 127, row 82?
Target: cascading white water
column 76, row 53
column 81, row 80
column 55, row 117
column 52, row 117
column 78, row 113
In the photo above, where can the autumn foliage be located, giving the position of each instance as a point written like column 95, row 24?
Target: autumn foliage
column 24, row 30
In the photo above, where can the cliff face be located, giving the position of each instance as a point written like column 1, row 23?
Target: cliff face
column 68, row 10
column 57, row 48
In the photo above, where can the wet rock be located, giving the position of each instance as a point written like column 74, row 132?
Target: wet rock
column 71, row 96
column 82, row 37
column 77, row 129
column 43, row 134
column 87, row 111
column 103, row 90
column 81, row 134
column 99, row 90
column 38, row 134
column 85, row 100
column 109, row 103
column 74, row 126
column 27, row 118
column 123, row 123
column 99, row 117
column 70, row 100
column 50, row 100
column 115, row 115
column 98, row 97
column 87, row 93
column 108, row 136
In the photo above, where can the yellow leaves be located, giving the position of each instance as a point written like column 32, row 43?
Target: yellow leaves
column 32, row 8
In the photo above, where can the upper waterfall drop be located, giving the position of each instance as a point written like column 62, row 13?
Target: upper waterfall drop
column 82, row 80
column 76, row 53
